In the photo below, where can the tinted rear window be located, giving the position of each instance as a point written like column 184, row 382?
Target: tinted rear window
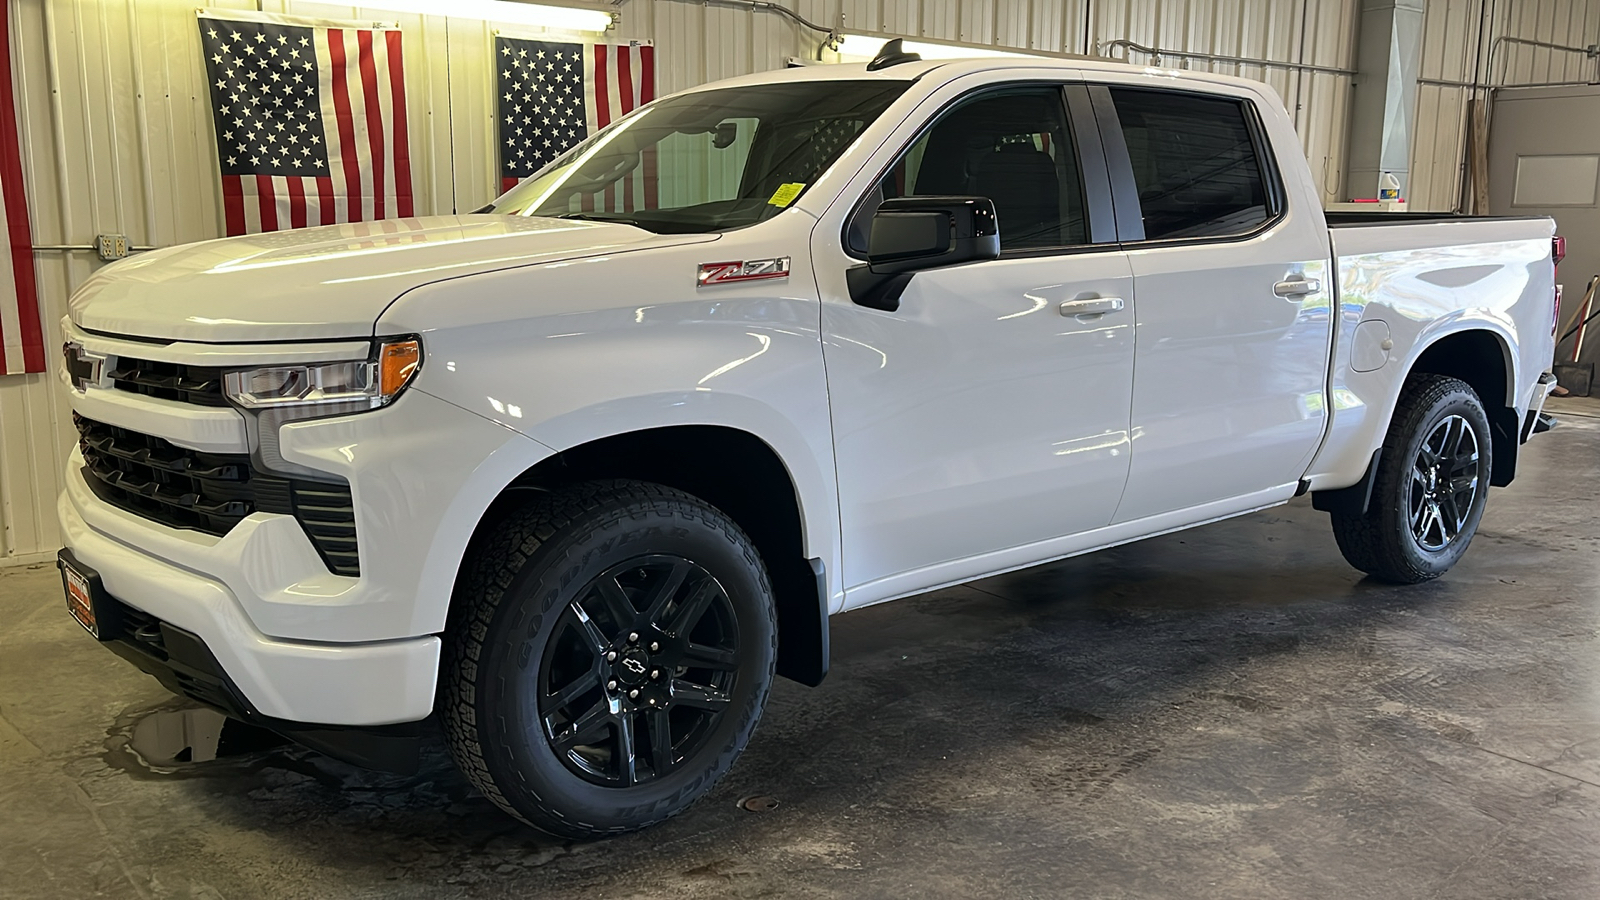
column 1195, row 163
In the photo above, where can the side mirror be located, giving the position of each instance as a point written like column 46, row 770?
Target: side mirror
column 910, row 234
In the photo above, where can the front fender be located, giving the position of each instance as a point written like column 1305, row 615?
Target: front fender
column 565, row 356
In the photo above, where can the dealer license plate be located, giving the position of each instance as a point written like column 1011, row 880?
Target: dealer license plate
column 80, row 600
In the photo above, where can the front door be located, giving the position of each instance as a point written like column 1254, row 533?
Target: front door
column 990, row 410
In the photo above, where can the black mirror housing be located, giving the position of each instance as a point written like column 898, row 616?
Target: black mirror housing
column 910, row 234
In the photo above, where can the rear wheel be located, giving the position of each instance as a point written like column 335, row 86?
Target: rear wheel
column 611, row 656
column 1431, row 487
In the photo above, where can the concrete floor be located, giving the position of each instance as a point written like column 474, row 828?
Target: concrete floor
column 1230, row 712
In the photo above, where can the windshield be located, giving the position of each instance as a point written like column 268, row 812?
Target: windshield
column 705, row 161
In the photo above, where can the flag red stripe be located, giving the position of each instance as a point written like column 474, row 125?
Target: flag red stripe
column 625, row 79
column 602, row 107
column 647, row 92
column 507, row 184
column 269, row 203
column 297, row 202
column 325, row 204
column 233, row 204
column 402, row 153
column 347, row 126
column 625, row 94
column 19, row 235
column 369, row 91
column 650, row 198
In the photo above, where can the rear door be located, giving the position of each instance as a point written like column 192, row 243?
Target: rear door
column 990, row 410
column 1232, row 289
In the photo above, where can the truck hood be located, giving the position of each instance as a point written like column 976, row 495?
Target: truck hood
column 327, row 282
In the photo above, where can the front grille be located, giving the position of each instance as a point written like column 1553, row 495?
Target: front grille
column 175, row 486
column 201, row 385
column 212, row 492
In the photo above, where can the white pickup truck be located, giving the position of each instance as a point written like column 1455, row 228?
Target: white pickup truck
column 574, row 476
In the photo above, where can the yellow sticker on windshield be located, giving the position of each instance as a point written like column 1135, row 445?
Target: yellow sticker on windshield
column 786, row 193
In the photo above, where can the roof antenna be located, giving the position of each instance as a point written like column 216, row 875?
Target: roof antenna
column 892, row 54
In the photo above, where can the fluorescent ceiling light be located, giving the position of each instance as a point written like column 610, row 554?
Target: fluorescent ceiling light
column 560, row 18
column 863, row 47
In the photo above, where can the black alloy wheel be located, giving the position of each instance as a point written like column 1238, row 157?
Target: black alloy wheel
column 608, row 655
column 1444, row 484
column 638, row 673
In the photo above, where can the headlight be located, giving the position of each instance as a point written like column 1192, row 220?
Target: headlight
column 363, row 384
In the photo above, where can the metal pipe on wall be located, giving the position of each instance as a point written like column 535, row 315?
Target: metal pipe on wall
column 1158, row 52
column 766, row 6
column 1592, row 52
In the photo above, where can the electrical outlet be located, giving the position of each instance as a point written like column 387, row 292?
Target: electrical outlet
column 111, row 246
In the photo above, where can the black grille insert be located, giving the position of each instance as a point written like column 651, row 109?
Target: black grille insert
column 201, row 385
column 207, row 492
column 211, row 492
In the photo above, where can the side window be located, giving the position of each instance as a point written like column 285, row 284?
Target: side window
column 1012, row 146
column 1194, row 162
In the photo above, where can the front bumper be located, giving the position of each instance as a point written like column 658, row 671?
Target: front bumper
column 185, row 665
column 295, row 641
column 375, row 683
column 420, row 471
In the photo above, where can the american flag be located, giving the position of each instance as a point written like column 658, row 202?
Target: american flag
column 553, row 94
column 21, row 337
column 310, row 121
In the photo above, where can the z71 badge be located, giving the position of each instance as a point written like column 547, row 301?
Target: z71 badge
column 743, row 270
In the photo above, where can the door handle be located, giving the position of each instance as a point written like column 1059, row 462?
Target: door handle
column 1298, row 287
column 1094, row 306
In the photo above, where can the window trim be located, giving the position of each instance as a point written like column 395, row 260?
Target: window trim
column 1095, row 207
column 1125, row 188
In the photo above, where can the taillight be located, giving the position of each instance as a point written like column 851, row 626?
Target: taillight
column 1558, row 249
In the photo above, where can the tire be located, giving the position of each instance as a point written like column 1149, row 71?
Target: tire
column 544, row 683
column 1431, row 487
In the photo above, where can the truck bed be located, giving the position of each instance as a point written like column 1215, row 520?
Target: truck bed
column 1408, row 278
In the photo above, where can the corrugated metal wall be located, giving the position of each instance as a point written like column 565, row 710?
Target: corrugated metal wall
column 117, row 135
column 1461, row 40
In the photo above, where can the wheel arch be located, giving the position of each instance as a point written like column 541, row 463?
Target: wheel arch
column 1481, row 357
column 733, row 470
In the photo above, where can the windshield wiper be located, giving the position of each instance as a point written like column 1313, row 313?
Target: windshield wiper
column 591, row 217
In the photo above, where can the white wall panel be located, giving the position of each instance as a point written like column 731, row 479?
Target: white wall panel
column 117, row 130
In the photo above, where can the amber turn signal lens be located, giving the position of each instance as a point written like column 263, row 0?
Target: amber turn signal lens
column 396, row 364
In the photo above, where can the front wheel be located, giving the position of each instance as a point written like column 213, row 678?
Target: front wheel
column 1431, row 487
column 610, row 655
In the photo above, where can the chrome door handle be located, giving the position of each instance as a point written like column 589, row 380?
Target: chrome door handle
column 1094, row 306
column 1297, row 288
